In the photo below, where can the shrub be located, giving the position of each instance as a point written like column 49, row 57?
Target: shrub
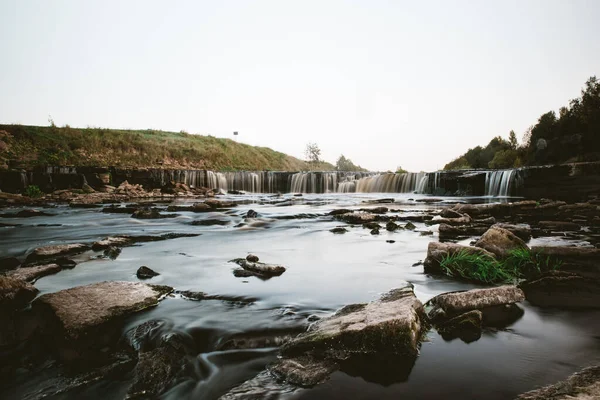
column 33, row 191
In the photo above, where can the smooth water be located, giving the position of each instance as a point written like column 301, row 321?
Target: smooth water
column 324, row 272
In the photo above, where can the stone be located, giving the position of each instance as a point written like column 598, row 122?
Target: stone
column 303, row 371
column 357, row 218
column 54, row 251
column 252, row 258
column 466, row 326
column 259, row 267
column 375, row 231
column 251, row 214
column 375, row 210
column 151, row 213
column 583, row 385
column 410, row 226
column 392, row 226
column 31, row 213
column 31, row 274
column 559, row 226
column 112, row 252
column 111, row 242
column 144, row 272
column 582, row 260
column 454, row 232
column 340, row 211
column 218, row 204
column 87, row 188
column 15, row 293
column 119, row 210
column 463, row 220
column 437, row 251
column 450, row 213
column 210, row 222
column 522, row 231
column 371, row 225
column 9, row 263
column 338, row 230
column 500, row 242
column 562, row 289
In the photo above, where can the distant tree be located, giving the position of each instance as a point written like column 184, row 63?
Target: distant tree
column 312, row 153
column 512, row 139
column 400, row 170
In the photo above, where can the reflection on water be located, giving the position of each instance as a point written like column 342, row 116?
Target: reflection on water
column 324, row 272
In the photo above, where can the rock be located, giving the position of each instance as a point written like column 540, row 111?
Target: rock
column 112, row 252
column 380, row 201
column 583, row 385
column 198, row 296
column 357, row 218
column 375, row 231
column 463, row 220
column 157, row 369
column 31, row 213
column 15, row 294
column 522, row 231
column 453, row 232
column 485, row 221
column 410, row 226
column 340, row 211
column 559, row 226
column 500, row 242
column 242, row 273
column 448, row 305
column 210, row 222
column 144, row 272
column 84, row 319
column 87, row 188
column 392, row 226
column 582, row 260
column 251, row 214
column 9, row 263
column 371, row 225
column 390, row 241
column 54, row 251
column 111, row 242
column 259, row 267
column 437, row 251
column 31, row 274
column 252, row 258
column 338, row 230
column 65, row 263
column 150, row 213
column 562, row 289
column 387, row 329
column 450, row 213
column 119, row 210
column 496, row 209
column 262, row 386
column 217, row 204
column 466, row 326
column 425, row 233
column 375, row 210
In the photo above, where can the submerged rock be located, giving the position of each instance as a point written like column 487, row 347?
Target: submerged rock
column 54, row 251
column 375, row 210
column 144, row 272
column 500, row 242
column 259, row 267
column 453, row 232
column 251, row 214
column 583, row 385
column 410, row 226
column 338, row 230
column 303, row 371
column 112, row 252
column 562, row 289
column 210, row 222
column 466, row 326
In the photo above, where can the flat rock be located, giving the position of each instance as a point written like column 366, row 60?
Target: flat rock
column 522, row 231
column 582, row 260
column 437, row 251
column 561, row 226
column 357, row 218
column 31, row 274
column 259, row 267
column 303, row 371
column 453, row 232
column 54, row 251
column 500, row 242
column 563, row 289
column 583, row 385
column 463, row 220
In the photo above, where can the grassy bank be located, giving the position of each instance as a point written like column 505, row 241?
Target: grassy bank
column 29, row 146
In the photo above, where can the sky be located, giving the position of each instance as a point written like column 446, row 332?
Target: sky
column 385, row 83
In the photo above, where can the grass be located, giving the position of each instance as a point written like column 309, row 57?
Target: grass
column 520, row 264
column 30, row 146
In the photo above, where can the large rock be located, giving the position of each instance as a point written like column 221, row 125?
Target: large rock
column 390, row 328
column 582, row 260
column 83, row 319
column 31, row 274
column 15, row 294
column 496, row 209
column 522, row 231
column 465, row 219
column 563, row 289
column 437, row 251
column 357, row 218
column 583, row 385
column 500, row 242
column 55, row 251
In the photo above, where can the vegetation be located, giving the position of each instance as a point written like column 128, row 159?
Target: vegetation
column 520, row 264
column 400, row 170
column 573, row 136
column 28, row 146
column 345, row 164
column 33, row 191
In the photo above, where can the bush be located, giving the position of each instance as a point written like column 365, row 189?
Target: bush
column 33, row 191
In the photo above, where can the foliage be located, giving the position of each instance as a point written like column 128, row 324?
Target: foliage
column 400, row 170
column 520, row 264
column 312, row 153
column 480, row 157
column 33, row 191
column 31, row 146
column 504, row 159
column 345, row 164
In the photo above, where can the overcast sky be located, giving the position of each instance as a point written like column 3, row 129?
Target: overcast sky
column 386, row 83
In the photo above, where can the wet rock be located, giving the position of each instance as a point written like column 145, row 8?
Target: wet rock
column 340, row 211
column 496, row 209
column 112, row 252
column 500, row 242
column 338, row 230
column 465, row 219
column 242, row 273
column 15, row 293
column 583, row 385
column 9, row 263
column 217, row 204
column 252, row 258
column 426, row 233
column 390, row 241
column 466, row 326
column 485, row 221
column 119, row 210
column 259, row 267
column 111, row 242
column 375, row 210
column 26, row 214
column 437, row 251
column 144, row 272
column 392, row 226
column 82, row 320
column 371, row 225
column 251, row 214
column 31, row 274
column 380, row 201
column 522, row 231
column 210, row 222
column 375, row 231
column 582, row 260
column 453, row 232
column 123, row 240
column 259, row 340
column 448, row 305
column 262, row 386
column 158, row 368
column 198, row 296
column 562, row 289
column 237, row 192
column 151, row 213
column 559, row 226
column 357, row 218
column 303, row 371
column 450, row 213
column 55, row 251
column 410, row 226
column 65, row 263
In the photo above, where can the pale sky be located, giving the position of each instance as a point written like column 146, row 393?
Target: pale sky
column 386, row 83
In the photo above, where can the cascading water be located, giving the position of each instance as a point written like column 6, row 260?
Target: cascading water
column 384, row 183
column 499, row 183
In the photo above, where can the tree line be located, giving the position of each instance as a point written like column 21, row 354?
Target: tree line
column 572, row 136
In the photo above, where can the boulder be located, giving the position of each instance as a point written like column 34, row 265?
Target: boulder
column 15, row 293
column 218, row 204
column 562, row 289
column 338, row 230
column 410, row 226
column 453, row 232
column 522, row 231
column 450, row 213
column 371, row 225
column 113, row 241
column 251, row 214
column 375, row 210
column 392, row 226
column 340, row 211
column 375, row 231
column 582, row 260
column 583, row 385
column 151, row 213
column 112, row 252
column 252, row 258
column 466, row 326
column 303, row 371
column 259, row 267
column 500, row 242
column 144, row 272
column 81, row 321
column 437, row 251
column 496, row 209
column 54, row 251
column 465, row 219
column 31, row 274
column 357, row 218
column 9, row 263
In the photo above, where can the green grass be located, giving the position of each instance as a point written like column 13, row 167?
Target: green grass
column 520, row 264
column 30, row 146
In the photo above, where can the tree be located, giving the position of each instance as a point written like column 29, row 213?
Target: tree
column 312, row 153
column 400, row 170
column 512, row 139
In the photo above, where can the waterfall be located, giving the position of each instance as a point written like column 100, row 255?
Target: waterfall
column 314, row 182
column 498, row 183
column 423, row 183
column 383, row 183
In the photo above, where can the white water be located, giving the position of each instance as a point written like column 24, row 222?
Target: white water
column 498, row 183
